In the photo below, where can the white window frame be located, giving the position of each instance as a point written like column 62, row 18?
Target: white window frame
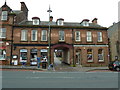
column 89, row 36
column 60, row 22
column 77, row 36
column 100, row 38
column 36, row 21
column 34, row 35
column 61, row 35
column 24, row 35
column 90, row 55
column 44, row 35
column 2, row 32
column 85, row 23
column 101, row 60
column 2, row 54
column 4, row 15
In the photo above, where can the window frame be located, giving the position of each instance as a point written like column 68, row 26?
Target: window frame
column 61, row 35
column 36, row 21
column 100, row 38
column 42, row 35
column 32, row 35
column 24, row 35
column 89, row 36
column 3, row 55
column 90, row 55
column 2, row 32
column 100, row 60
column 77, row 36
column 4, row 15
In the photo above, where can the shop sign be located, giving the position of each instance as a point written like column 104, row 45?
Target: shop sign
column 43, row 50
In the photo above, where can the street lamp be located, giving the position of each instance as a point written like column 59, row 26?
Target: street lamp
column 49, row 32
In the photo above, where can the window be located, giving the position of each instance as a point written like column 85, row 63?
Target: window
column 60, row 22
column 89, row 37
column 89, row 55
column 34, row 35
column 3, row 33
column 99, row 36
column 33, row 56
column 61, row 36
column 24, row 35
column 2, row 54
column 4, row 15
column 44, row 35
column 23, row 55
column 85, row 23
column 36, row 21
column 77, row 36
column 100, row 55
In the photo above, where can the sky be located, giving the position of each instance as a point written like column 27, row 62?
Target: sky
column 70, row 10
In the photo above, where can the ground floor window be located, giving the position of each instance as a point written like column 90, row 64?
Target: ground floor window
column 2, row 54
column 33, row 55
column 23, row 55
column 100, row 55
column 44, row 54
column 90, row 55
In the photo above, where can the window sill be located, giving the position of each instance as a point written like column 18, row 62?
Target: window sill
column 61, row 41
column 99, row 41
column 101, row 61
column 43, row 40
column 90, row 61
column 2, row 59
column 23, row 41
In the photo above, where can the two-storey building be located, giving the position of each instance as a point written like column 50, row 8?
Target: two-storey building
column 81, row 43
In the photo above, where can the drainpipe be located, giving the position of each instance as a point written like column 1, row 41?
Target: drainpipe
column 73, row 45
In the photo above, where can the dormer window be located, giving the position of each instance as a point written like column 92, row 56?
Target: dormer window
column 85, row 22
column 36, row 20
column 60, row 22
column 4, row 15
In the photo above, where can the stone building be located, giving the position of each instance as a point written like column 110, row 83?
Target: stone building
column 81, row 43
column 114, row 40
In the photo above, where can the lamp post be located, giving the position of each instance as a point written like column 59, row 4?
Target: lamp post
column 49, row 38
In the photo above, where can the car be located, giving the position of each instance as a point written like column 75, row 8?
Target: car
column 114, row 65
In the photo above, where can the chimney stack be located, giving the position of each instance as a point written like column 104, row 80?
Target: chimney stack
column 24, row 9
column 94, row 21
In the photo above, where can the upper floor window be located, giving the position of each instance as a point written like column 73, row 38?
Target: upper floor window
column 60, row 21
column 89, row 36
column 77, row 36
column 2, row 54
column 85, row 23
column 44, row 35
column 89, row 55
column 4, row 15
column 34, row 35
column 2, row 32
column 24, row 35
column 100, row 37
column 36, row 21
column 100, row 55
column 61, row 36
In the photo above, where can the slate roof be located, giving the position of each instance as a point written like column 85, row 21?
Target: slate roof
column 55, row 24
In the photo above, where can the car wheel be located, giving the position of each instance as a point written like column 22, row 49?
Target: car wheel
column 117, row 69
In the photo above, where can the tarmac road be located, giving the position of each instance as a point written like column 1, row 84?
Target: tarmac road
column 34, row 79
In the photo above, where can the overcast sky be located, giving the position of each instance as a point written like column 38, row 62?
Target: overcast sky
column 70, row 10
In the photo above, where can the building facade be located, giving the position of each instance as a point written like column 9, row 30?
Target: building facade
column 114, row 40
column 22, row 40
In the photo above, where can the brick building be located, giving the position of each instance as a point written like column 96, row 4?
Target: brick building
column 21, row 40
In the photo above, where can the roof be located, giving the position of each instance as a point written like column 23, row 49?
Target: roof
column 55, row 24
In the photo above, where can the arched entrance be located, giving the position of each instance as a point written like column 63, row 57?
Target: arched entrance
column 63, row 52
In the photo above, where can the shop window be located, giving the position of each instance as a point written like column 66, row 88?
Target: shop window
column 2, row 32
column 100, row 55
column 4, row 15
column 44, row 53
column 24, row 35
column 61, row 36
column 77, row 36
column 100, row 37
column 90, row 55
column 44, row 35
column 89, row 36
column 23, row 55
column 33, row 55
column 2, row 54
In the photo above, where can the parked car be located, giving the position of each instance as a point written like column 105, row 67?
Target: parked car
column 114, row 65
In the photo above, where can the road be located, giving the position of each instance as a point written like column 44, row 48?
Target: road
column 34, row 79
